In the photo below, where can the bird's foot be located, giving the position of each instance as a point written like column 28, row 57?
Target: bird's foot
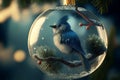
column 88, row 25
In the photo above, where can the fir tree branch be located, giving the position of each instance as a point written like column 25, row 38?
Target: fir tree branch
column 67, row 63
column 108, row 62
column 102, row 5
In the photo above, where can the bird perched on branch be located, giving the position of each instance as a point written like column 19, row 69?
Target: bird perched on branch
column 67, row 40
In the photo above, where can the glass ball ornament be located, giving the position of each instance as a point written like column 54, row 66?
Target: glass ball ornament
column 67, row 42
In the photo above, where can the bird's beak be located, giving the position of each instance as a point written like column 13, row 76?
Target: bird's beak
column 53, row 26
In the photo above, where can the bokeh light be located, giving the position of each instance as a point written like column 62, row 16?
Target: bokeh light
column 5, row 55
column 14, row 10
column 19, row 56
column 4, row 14
column 0, row 2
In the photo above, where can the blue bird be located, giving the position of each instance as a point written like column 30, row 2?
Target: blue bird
column 67, row 40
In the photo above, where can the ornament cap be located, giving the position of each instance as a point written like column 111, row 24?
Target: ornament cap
column 68, row 2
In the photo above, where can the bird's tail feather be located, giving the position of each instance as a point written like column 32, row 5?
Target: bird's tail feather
column 85, row 62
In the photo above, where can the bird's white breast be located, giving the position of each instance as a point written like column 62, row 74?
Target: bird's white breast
column 62, row 47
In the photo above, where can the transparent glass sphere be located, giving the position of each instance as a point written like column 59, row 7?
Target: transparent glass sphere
column 60, row 41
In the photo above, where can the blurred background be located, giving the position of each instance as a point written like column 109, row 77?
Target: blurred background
column 16, row 18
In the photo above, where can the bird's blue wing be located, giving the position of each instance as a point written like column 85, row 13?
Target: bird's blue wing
column 71, row 39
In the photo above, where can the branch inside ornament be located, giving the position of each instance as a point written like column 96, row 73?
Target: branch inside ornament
column 99, row 50
column 71, row 64
column 91, row 22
